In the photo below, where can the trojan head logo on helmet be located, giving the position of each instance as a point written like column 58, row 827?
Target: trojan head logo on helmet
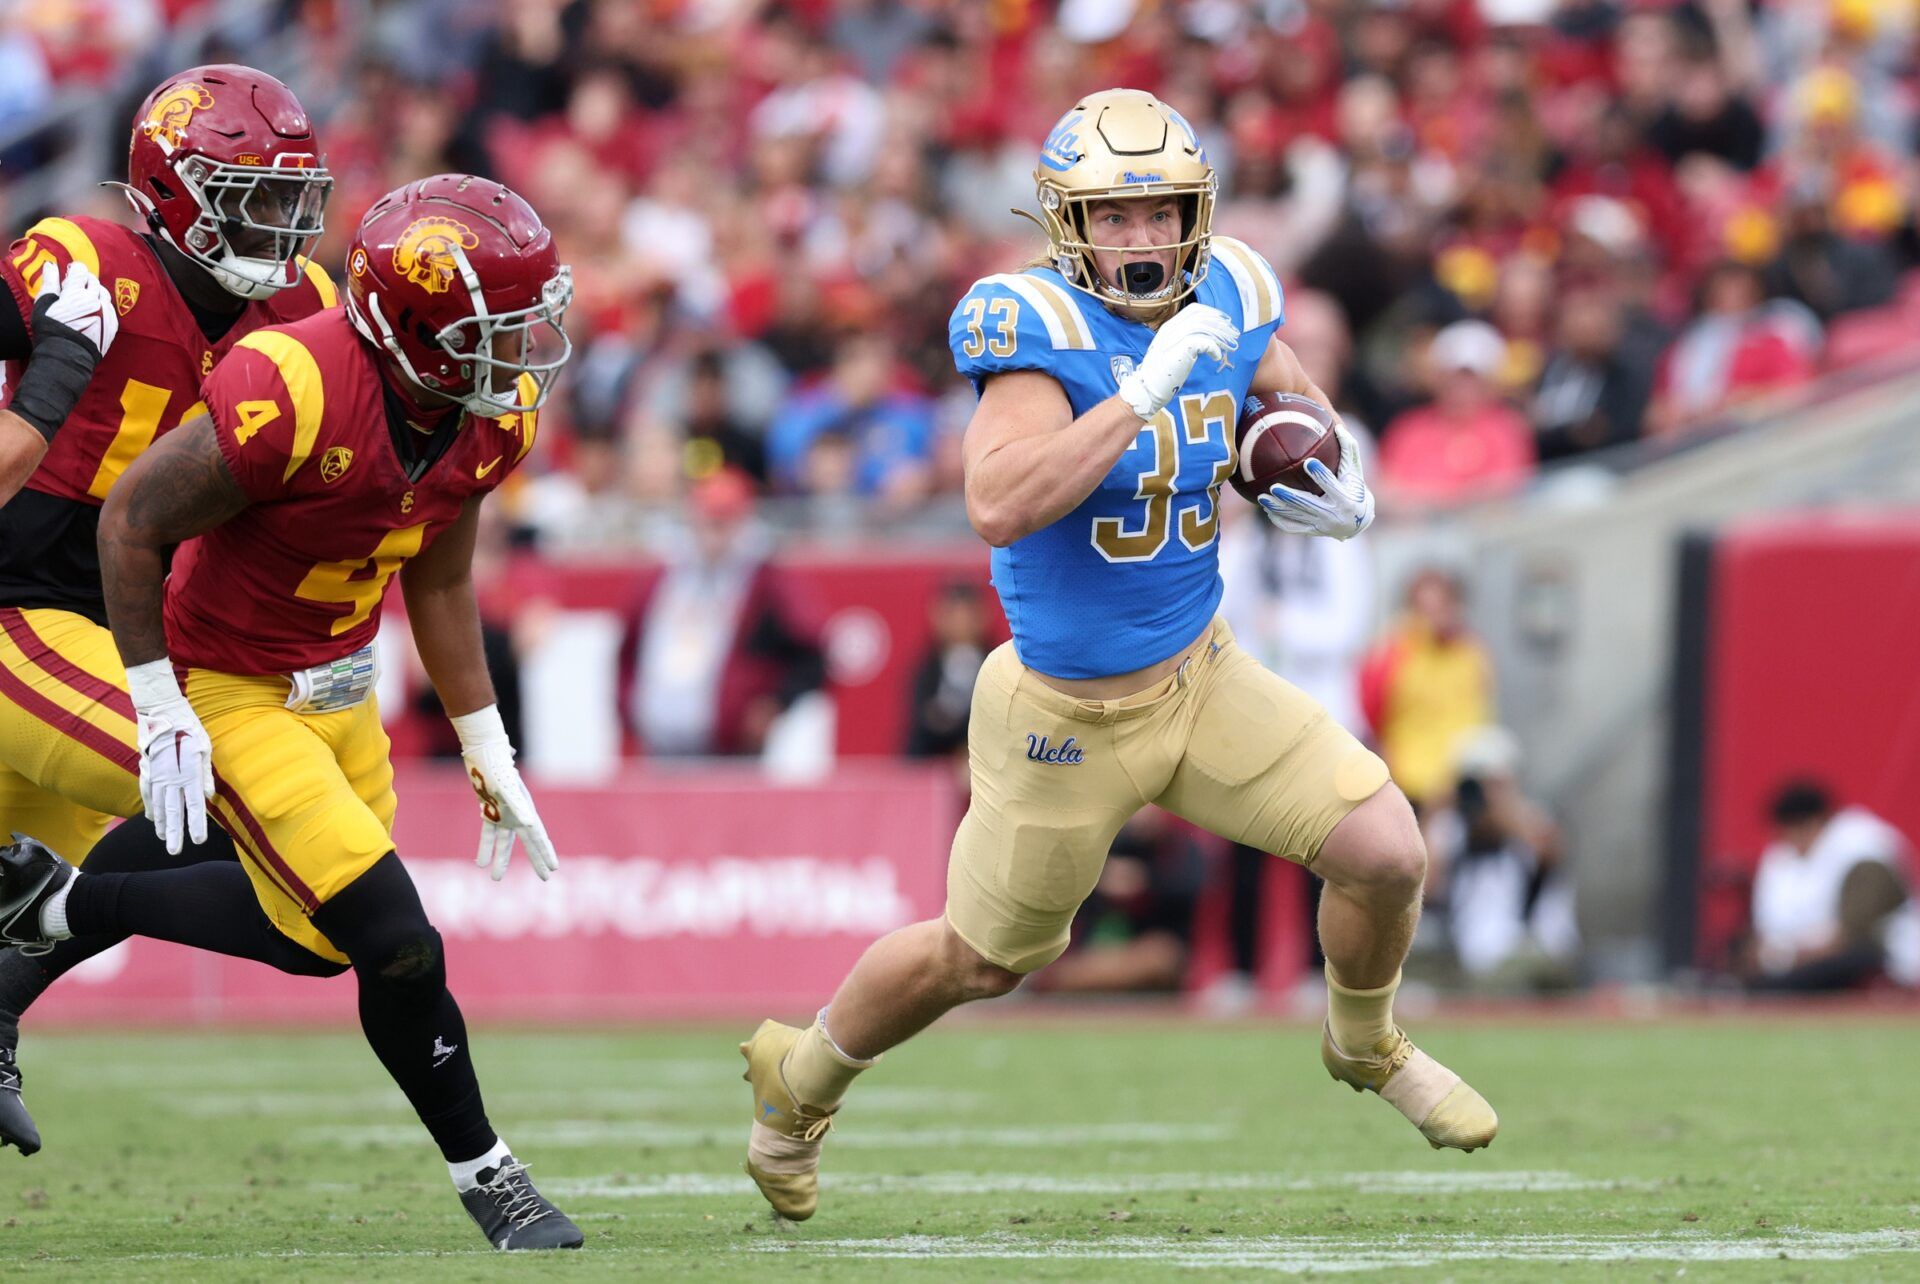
column 1125, row 144
column 456, row 281
column 427, row 252
column 224, row 168
column 172, row 112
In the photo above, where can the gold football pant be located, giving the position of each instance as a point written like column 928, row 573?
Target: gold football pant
column 308, row 797
column 1223, row 743
column 68, row 764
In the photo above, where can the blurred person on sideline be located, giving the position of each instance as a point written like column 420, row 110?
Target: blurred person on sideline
column 1494, row 868
column 1425, row 684
column 1466, row 443
column 1831, row 905
column 888, row 432
column 718, row 647
column 943, row 685
column 1134, row 933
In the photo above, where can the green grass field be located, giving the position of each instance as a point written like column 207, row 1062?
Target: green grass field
column 1754, row 1148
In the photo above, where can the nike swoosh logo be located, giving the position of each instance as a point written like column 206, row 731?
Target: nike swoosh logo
column 483, row 469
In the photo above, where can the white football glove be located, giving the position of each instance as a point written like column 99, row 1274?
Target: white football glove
column 506, row 808
column 176, row 755
column 1189, row 334
column 1342, row 512
column 81, row 304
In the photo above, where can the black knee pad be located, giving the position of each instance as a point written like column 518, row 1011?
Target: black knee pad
column 377, row 921
column 414, row 965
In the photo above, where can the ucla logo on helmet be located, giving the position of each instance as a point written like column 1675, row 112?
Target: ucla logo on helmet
column 173, row 111
column 425, row 253
column 1061, row 151
column 1193, row 139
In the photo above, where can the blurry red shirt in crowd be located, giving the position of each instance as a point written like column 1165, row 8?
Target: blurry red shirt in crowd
column 1466, row 443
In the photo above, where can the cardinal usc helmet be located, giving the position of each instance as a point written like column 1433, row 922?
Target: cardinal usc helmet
column 457, row 281
column 223, row 166
column 1122, row 144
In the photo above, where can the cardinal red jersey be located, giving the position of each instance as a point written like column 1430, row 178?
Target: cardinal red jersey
column 298, row 578
column 147, row 384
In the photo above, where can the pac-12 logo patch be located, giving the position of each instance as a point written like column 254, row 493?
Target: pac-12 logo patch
column 126, row 293
column 1065, row 754
column 334, row 464
column 1122, row 367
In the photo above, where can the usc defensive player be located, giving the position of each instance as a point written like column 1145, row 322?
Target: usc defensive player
column 117, row 328
column 335, row 452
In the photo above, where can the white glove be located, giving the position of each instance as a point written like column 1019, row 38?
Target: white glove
column 506, row 807
column 81, row 304
column 1189, row 334
column 176, row 755
column 1343, row 511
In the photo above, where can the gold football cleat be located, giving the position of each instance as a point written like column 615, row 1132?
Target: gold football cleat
column 1441, row 1105
column 783, row 1154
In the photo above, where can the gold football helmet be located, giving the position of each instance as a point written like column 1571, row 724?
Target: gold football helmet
column 1120, row 144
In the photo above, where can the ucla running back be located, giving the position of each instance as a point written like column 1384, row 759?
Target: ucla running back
column 1110, row 377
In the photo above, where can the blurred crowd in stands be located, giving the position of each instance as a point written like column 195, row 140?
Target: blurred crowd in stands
column 1529, row 229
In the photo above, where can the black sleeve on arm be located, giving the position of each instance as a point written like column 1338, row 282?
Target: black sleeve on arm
column 57, row 376
column 16, row 343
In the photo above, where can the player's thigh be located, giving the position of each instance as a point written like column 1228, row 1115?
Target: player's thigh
column 1266, row 765
column 365, row 754
column 66, row 721
column 302, row 829
column 64, row 826
column 1040, row 822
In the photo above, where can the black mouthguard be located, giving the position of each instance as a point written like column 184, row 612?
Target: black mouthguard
column 1142, row 278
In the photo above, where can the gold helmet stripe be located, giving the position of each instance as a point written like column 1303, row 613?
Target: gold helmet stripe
column 301, row 373
column 1259, row 288
column 1066, row 328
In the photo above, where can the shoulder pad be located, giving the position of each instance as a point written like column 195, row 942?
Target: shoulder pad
column 1016, row 321
column 1261, row 301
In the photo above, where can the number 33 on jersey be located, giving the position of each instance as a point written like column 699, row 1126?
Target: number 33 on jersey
column 1142, row 545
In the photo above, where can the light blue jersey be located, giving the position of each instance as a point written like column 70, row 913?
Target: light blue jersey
column 1131, row 575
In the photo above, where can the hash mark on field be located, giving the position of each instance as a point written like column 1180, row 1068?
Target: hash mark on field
column 1300, row 1254
column 1439, row 1182
column 601, row 1132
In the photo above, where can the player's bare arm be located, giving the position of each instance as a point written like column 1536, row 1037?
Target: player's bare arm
column 1029, row 462
column 445, row 616
column 21, row 450
column 178, row 488
column 1280, row 371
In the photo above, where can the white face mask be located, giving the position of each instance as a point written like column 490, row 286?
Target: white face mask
column 255, row 221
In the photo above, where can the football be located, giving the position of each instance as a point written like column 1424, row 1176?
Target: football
column 1278, row 432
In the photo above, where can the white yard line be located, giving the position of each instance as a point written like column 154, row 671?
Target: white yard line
column 1300, row 1254
column 668, row 1185
column 600, row 1132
